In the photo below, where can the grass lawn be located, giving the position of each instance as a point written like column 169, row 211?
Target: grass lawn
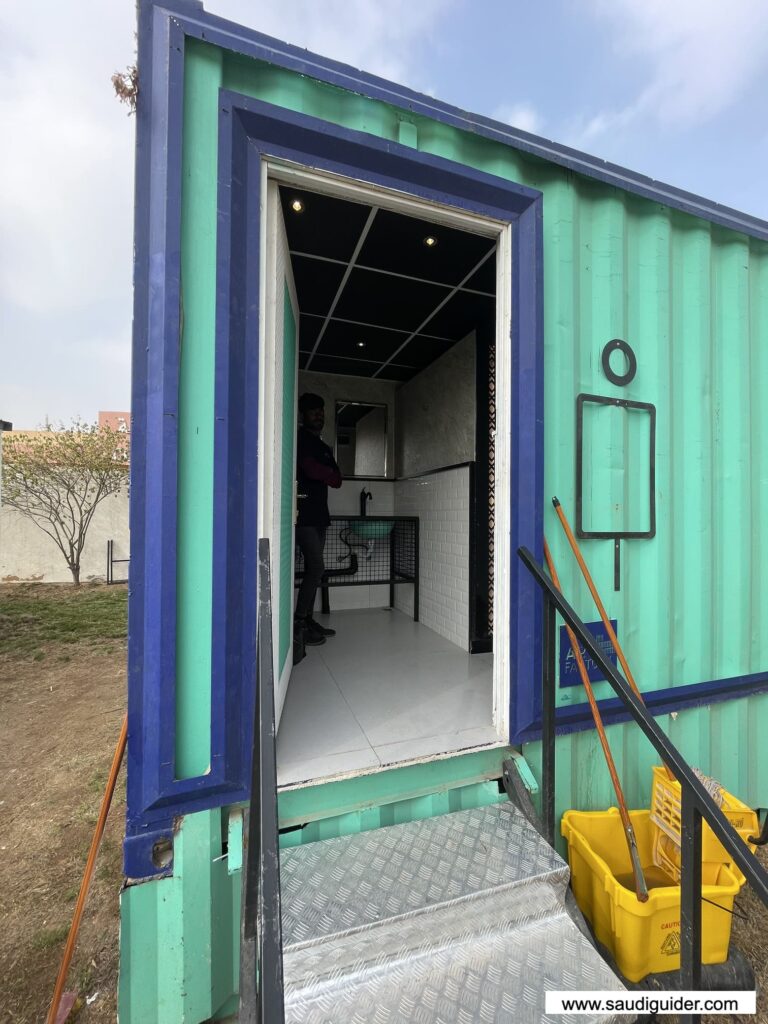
column 34, row 617
column 62, row 700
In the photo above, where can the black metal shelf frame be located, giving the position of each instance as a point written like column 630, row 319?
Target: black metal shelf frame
column 353, row 560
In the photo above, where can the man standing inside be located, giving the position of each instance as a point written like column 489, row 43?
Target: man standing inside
column 316, row 471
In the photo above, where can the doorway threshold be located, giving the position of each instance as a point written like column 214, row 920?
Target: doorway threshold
column 378, row 768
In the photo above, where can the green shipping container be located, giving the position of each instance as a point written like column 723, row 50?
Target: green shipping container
column 595, row 255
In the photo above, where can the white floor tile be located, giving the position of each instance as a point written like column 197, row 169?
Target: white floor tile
column 376, row 632
column 410, row 694
column 316, row 719
column 384, row 689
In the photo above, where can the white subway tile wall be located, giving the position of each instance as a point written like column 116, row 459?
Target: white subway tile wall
column 345, row 500
column 441, row 501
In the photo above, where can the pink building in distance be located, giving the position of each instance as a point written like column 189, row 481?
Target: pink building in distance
column 120, row 421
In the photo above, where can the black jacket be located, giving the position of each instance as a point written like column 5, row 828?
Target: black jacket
column 316, row 471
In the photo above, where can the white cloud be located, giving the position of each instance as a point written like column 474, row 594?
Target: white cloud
column 66, row 209
column 700, row 56
column 520, row 115
column 385, row 37
column 66, row 177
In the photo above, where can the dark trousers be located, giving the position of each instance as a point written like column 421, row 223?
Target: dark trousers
column 311, row 541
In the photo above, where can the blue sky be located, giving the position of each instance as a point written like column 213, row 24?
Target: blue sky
column 675, row 89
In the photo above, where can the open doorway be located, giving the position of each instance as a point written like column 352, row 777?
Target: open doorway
column 388, row 312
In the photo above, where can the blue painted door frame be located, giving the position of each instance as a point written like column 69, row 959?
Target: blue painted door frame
column 250, row 131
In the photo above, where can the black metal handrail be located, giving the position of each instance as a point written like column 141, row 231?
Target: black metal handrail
column 261, row 945
column 696, row 802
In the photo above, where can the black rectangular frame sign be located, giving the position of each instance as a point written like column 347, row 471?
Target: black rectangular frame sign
column 624, row 403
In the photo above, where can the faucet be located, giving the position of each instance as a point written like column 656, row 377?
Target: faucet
column 365, row 496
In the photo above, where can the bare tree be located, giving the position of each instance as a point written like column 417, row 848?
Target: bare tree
column 57, row 478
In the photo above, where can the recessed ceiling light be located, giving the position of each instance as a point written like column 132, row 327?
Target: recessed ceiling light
column 430, row 241
column 297, row 205
column 361, row 344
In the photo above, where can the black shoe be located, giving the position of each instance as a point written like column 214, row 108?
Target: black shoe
column 315, row 627
column 311, row 637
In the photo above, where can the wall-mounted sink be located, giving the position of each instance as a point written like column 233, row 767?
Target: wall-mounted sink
column 372, row 529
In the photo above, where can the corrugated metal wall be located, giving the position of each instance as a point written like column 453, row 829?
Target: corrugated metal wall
column 724, row 740
column 692, row 300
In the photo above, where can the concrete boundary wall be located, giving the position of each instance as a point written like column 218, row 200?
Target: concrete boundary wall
column 28, row 555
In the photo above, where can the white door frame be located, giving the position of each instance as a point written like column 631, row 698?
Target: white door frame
column 270, row 370
column 354, row 190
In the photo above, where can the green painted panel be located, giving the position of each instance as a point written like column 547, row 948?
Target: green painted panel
column 287, row 476
column 177, row 934
column 196, row 383
column 311, row 803
column 480, row 794
column 150, row 979
column 234, row 822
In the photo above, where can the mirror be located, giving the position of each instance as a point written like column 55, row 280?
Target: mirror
column 361, row 439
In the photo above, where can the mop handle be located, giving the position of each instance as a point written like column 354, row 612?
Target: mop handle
column 641, row 888
column 600, row 606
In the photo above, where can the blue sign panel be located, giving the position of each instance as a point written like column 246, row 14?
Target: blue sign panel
column 569, row 669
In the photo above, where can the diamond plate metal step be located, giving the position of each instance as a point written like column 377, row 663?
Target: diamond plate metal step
column 458, row 919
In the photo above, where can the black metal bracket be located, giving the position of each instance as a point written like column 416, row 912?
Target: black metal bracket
column 616, row 537
column 519, row 795
column 619, row 379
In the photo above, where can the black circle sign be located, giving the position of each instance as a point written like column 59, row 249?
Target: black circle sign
column 619, row 378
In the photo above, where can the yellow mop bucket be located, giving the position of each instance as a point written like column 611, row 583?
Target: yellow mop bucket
column 643, row 938
column 665, row 821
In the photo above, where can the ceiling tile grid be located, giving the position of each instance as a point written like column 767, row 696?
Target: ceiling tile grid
column 377, row 300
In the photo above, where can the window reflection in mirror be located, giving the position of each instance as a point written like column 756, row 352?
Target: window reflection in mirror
column 361, row 439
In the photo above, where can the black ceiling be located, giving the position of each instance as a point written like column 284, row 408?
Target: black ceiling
column 366, row 276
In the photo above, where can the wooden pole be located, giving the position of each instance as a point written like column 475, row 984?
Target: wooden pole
column 600, row 606
column 641, row 889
